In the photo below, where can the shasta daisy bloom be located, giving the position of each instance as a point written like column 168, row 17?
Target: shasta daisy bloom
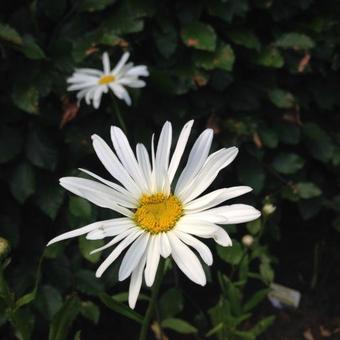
column 92, row 83
column 160, row 217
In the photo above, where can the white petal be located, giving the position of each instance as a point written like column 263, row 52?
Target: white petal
column 136, row 282
column 214, row 164
column 121, row 62
column 153, row 256
column 113, row 166
column 120, row 92
column 215, row 198
column 132, row 82
column 118, row 238
column 78, row 78
column 132, row 256
column 201, row 248
column 81, row 86
column 81, row 94
column 111, row 228
column 122, row 72
column 164, row 245
column 144, row 163
column 222, row 238
column 94, row 192
column 235, row 213
column 124, row 197
column 89, row 71
column 197, row 227
column 97, row 96
column 138, row 71
column 89, row 95
column 116, row 252
column 76, row 232
column 196, row 159
column 162, row 154
column 186, row 260
column 127, row 157
column 180, row 146
column 106, row 63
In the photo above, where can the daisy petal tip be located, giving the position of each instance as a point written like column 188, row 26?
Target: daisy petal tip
column 132, row 303
column 50, row 242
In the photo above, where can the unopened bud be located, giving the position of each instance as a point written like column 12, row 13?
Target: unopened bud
column 247, row 240
column 268, row 209
column 4, row 247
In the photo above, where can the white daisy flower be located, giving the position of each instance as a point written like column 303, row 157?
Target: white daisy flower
column 160, row 218
column 92, row 83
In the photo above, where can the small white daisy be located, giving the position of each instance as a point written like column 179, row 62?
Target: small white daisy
column 92, row 83
column 160, row 218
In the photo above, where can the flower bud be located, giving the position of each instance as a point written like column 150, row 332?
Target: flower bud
column 4, row 247
column 247, row 240
column 268, row 209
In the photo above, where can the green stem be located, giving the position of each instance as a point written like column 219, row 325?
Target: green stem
column 119, row 115
column 152, row 303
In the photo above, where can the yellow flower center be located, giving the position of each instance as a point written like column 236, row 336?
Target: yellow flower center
column 106, row 79
column 158, row 213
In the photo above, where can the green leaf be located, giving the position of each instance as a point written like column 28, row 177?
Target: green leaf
column 268, row 136
column 269, row 57
column 296, row 41
column 90, row 311
column 309, row 208
column 288, row 133
column 223, row 58
column 251, row 173
column 9, row 34
column 179, row 326
column 79, row 207
column 31, row 49
column 232, row 255
column 26, row 98
column 63, row 320
column 127, row 17
column 49, row 199
column 171, row 303
column 308, row 190
column 49, row 301
column 23, row 182
column 10, row 143
column 282, row 99
column 336, row 224
column 94, row 5
column 40, row 150
column 318, row 142
column 120, row 308
column 244, row 38
column 262, row 325
column 198, row 35
column 23, row 320
column 288, row 163
column 254, row 227
column 166, row 38
column 266, row 271
column 86, row 246
column 87, row 283
column 255, row 300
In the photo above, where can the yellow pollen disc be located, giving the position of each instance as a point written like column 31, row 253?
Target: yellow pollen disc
column 158, row 213
column 106, row 80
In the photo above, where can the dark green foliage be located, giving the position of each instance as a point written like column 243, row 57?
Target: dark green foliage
column 263, row 74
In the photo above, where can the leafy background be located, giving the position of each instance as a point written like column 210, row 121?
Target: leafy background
column 264, row 74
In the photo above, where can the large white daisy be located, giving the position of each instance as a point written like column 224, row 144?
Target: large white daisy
column 160, row 218
column 92, row 83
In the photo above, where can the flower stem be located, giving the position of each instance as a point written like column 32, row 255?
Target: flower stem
column 151, row 308
column 119, row 116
